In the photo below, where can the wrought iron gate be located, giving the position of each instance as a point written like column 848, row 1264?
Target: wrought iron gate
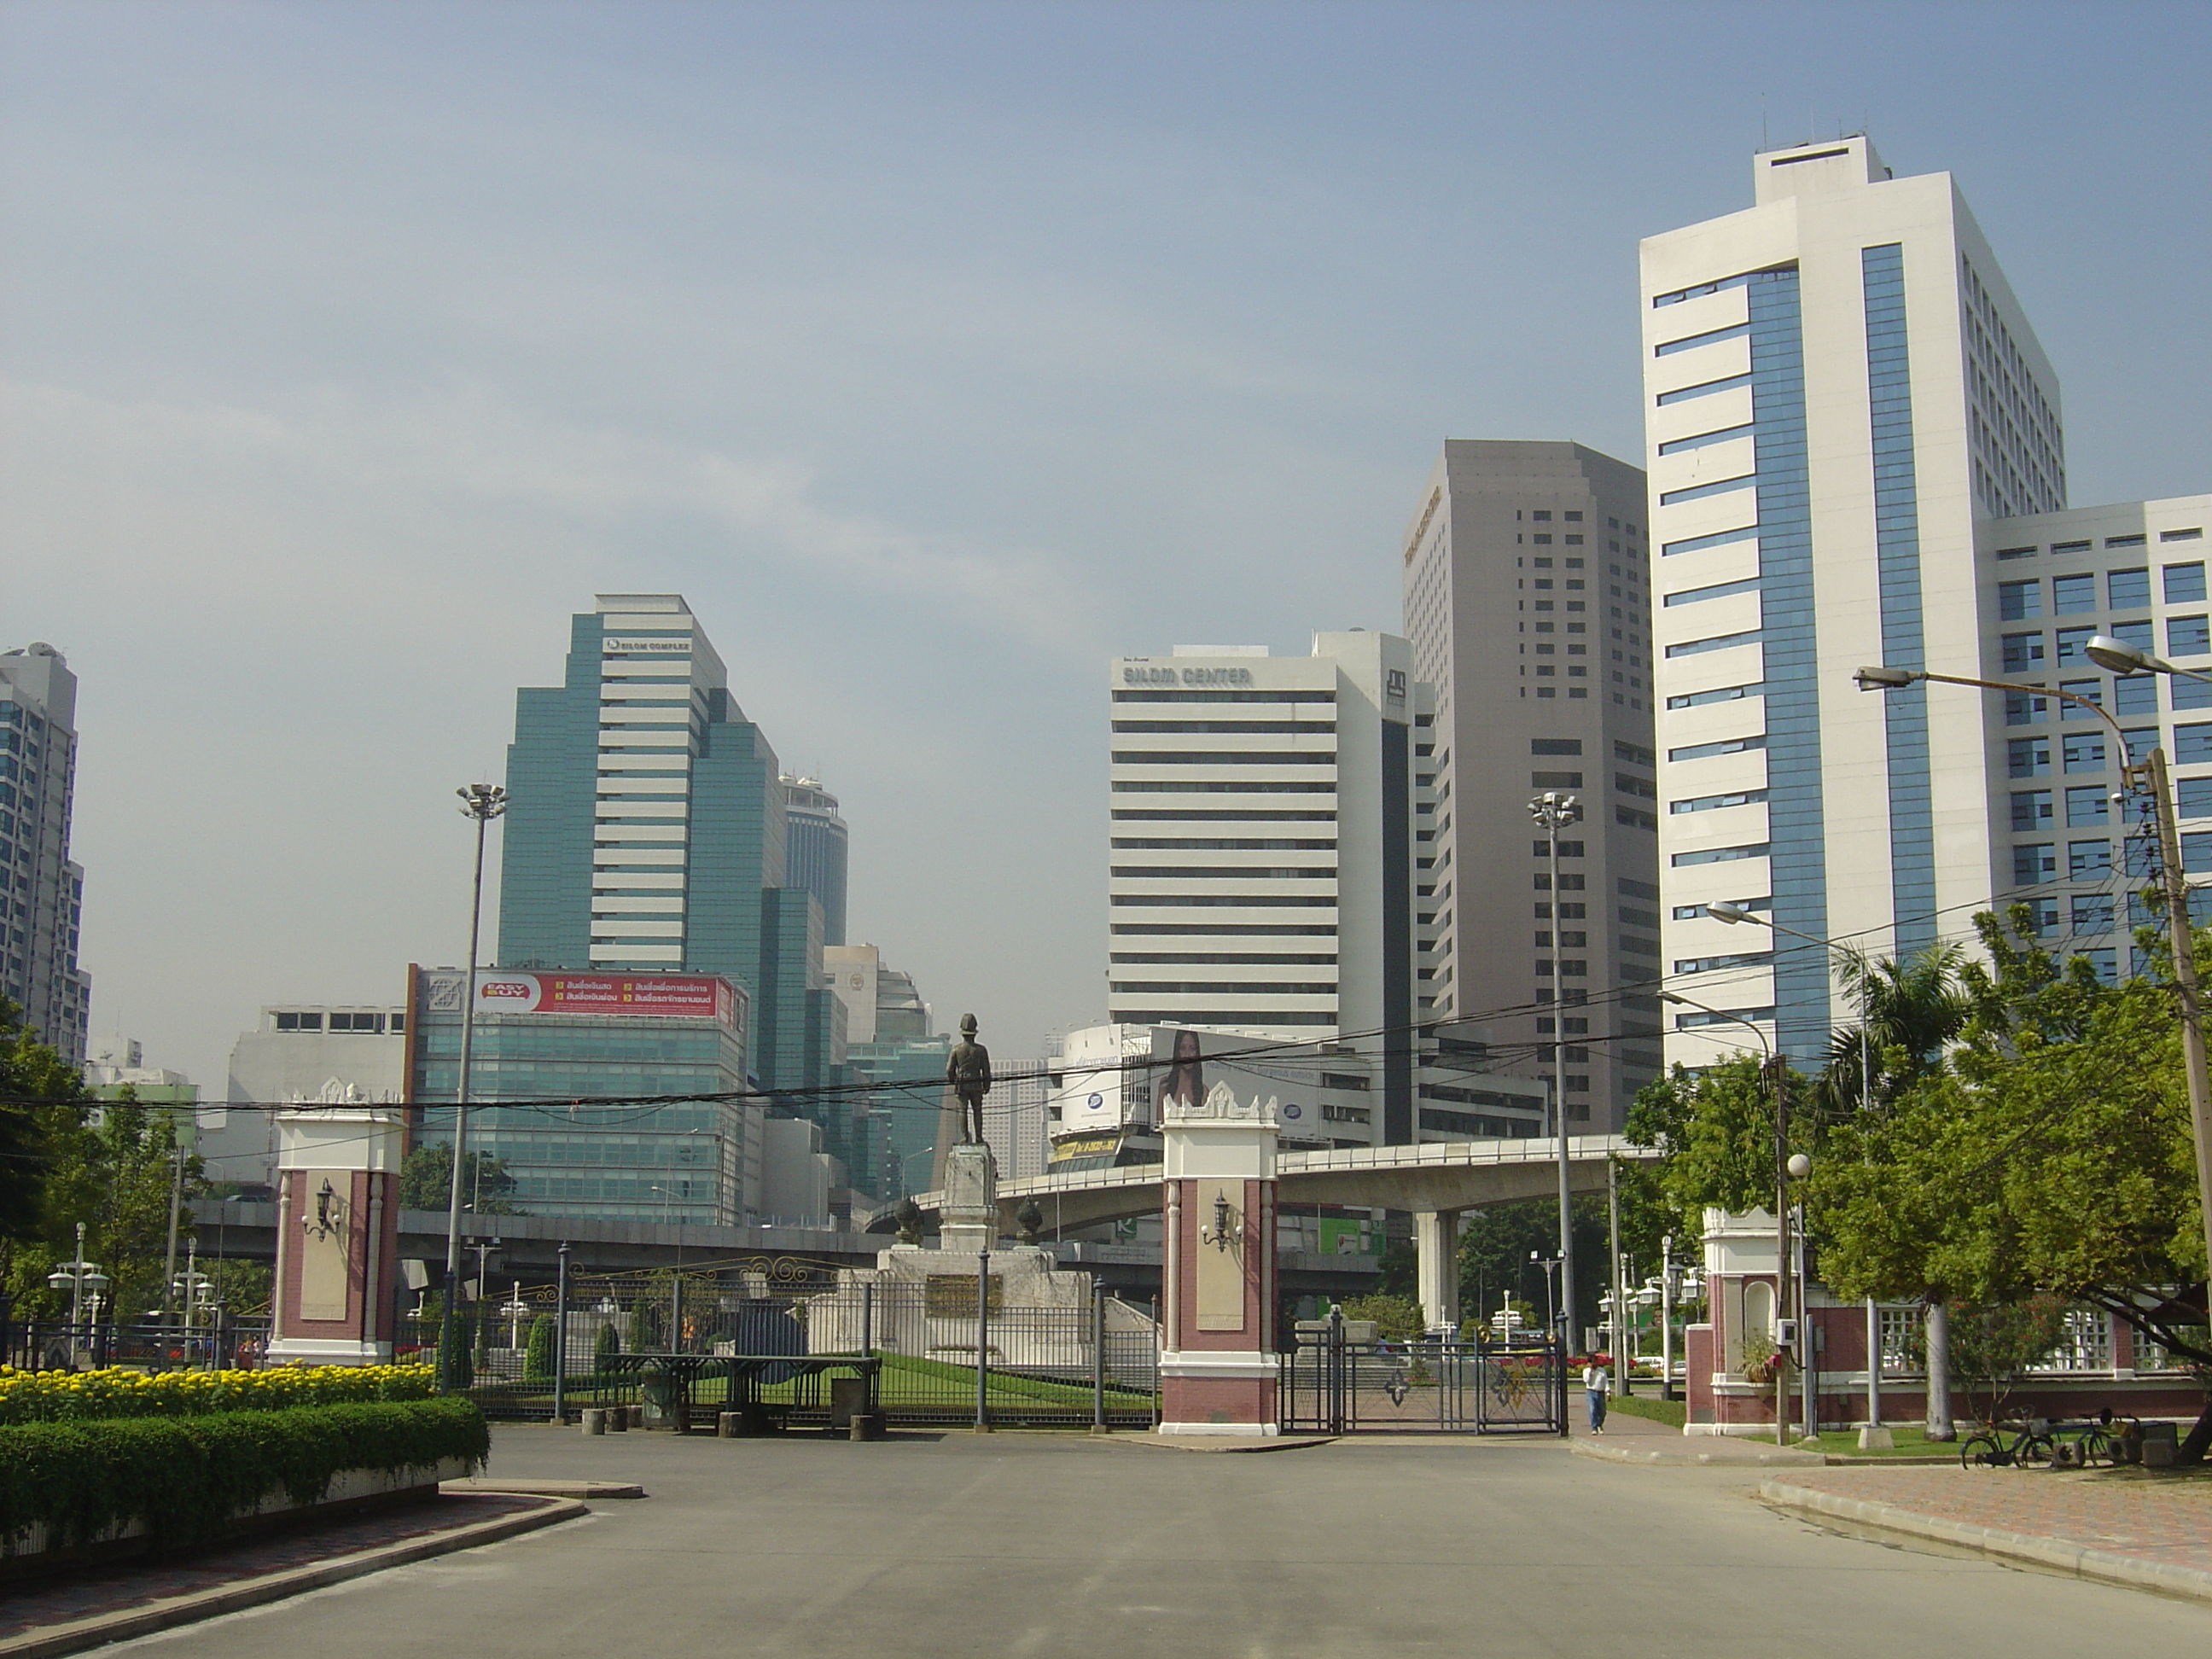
column 1334, row 1383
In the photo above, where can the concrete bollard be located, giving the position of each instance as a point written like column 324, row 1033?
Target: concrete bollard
column 617, row 1418
column 728, row 1426
column 867, row 1425
column 637, row 1417
column 595, row 1420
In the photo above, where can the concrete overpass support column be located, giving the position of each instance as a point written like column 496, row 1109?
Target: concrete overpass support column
column 337, row 1234
column 1436, row 1250
column 1218, row 1362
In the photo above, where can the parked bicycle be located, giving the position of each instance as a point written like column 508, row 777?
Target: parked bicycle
column 2039, row 1444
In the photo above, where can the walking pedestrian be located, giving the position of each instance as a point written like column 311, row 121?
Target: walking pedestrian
column 1596, row 1382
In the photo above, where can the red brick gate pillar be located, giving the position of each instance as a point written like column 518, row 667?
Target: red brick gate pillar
column 337, row 1234
column 1218, row 1360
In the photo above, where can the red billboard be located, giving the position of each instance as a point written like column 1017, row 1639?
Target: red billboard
column 681, row 996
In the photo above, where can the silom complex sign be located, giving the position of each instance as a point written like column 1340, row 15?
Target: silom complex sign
column 689, row 996
column 1186, row 676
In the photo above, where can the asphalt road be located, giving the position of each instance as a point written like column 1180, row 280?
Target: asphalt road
column 1019, row 1544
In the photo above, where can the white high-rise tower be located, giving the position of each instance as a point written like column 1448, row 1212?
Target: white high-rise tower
column 1839, row 387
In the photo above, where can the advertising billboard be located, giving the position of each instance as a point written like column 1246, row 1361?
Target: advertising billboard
column 662, row 996
column 1122, row 1077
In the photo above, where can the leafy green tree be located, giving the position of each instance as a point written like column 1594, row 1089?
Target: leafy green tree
column 1496, row 1244
column 1990, row 1347
column 1397, row 1318
column 1911, row 1011
column 427, row 1176
column 2053, row 1154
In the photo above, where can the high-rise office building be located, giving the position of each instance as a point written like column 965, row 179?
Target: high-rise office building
column 1526, row 603
column 646, row 830
column 1840, row 390
column 1262, row 849
column 41, row 892
column 815, row 848
column 2134, row 571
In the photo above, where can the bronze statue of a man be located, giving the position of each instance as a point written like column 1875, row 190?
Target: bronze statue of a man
column 967, row 1074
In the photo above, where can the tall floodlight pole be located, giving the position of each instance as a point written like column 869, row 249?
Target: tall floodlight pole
column 1767, row 1068
column 481, row 803
column 2148, row 773
column 1553, row 812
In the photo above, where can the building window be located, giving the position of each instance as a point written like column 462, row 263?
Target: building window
column 2127, row 590
column 2030, row 809
column 2022, row 708
column 295, row 1022
column 2084, row 751
column 2187, row 636
column 2086, row 805
column 2184, row 584
column 2088, row 860
column 2028, row 757
column 2018, row 601
column 2022, row 651
column 2137, row 694
column 2073, row 642
column 2092, row 912
column 2034, row 863
column 2194, row 796
column 2072, row 595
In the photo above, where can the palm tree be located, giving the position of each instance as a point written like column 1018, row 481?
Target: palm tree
column 1909, row 1011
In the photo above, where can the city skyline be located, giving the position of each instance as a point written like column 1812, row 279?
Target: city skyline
column 308, row 456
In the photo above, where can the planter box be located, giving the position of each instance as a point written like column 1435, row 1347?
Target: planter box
column 352, row 1490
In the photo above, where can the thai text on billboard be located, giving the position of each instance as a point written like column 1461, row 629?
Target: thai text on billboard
column 679, row 996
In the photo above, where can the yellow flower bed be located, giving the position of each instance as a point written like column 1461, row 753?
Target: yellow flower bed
column 60, row 1396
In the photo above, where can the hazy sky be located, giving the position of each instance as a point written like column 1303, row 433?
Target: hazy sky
column 936, row 352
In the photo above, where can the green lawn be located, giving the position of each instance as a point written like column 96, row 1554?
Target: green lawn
column 1910, row 1443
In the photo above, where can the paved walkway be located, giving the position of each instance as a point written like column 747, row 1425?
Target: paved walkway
column 2128, row 1526
column 90, row 1602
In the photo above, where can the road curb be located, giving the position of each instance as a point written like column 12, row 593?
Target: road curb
column 101, row 1629
column 1781, row 1455
column 1217, row 1442
column 2029, row 1549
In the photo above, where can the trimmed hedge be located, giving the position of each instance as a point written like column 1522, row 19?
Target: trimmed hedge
column 51, row 1396
column 186, row 1477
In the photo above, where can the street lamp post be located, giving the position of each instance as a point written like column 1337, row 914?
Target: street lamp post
column 79, row 1276
column 2150, row 773
column 1781, row 1302
column 1554, row 812
column 480, row 803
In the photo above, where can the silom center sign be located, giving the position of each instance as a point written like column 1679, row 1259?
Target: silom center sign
column 1186, row 677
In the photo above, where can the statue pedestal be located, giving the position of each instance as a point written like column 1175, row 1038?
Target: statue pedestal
column 968, row 1221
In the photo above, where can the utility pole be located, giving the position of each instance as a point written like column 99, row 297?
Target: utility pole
column 176, row 1205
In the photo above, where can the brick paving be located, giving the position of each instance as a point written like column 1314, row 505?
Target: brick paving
column 2145, row 1515
column 35, row 1603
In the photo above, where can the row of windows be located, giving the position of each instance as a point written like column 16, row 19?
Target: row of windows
column 2185, row 637
column 1223, row 757
column 293, row 1020
column 2085, row 804
column 2124, row 589
column 2194, row 533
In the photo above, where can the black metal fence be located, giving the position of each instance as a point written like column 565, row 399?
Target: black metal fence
column 58, row 1345
column 1335, row 1382
column 1062, row 1364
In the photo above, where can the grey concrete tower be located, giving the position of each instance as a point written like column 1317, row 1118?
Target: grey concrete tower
column 1526, row 601
column 41, row 892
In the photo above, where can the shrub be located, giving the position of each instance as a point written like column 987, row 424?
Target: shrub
column 186, row 1478
column 606, row 1345
column 78, row 1397
column 538, row 1357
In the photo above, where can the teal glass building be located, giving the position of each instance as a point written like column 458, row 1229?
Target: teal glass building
column 647, row 832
